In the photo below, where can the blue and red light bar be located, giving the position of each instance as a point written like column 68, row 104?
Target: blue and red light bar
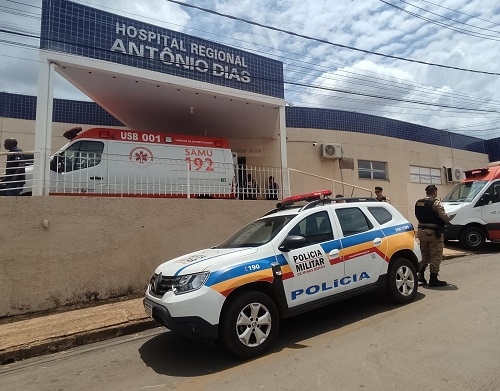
column 306, row 197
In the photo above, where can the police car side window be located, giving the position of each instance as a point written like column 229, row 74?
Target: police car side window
column 316, row 228
column 381, row 214
column 353, row 221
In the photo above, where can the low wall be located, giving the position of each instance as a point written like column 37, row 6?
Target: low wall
column 99, row 248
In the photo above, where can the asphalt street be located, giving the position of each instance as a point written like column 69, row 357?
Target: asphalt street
column 448, row 339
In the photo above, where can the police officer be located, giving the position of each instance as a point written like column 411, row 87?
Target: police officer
column 431, row 221
column 380, row 196
column 13, row 180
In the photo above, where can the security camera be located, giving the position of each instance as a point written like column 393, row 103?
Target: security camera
column 314, row 144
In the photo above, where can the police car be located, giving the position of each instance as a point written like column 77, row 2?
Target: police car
column 308, row 252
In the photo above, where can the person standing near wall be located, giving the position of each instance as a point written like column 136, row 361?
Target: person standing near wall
column 380, row 196
column 251, row 188
column 12, row 181
column 431, row 221
column 272, row 191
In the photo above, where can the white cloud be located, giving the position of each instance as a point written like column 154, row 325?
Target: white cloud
column 370, row 25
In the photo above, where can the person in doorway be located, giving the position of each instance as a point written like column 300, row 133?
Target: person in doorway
column 251, row 188
column 12, row 181
column 431, row 218
column 272, row 191
column 380, row 196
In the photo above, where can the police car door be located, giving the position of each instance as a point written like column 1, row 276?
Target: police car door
column 363, row 247
column 316, row 268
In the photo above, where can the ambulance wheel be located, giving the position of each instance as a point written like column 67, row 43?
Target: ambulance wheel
column 249, row 324
column 472, row 238
column 402, row 282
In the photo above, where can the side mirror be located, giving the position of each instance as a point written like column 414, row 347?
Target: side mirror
column 291, row 243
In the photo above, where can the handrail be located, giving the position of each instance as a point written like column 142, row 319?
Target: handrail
column 331, row 180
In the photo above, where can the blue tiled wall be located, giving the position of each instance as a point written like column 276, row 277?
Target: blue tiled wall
column 84, row 31
column 303, row 117
column 77, row 112
column 494, row 149
column 65, row 111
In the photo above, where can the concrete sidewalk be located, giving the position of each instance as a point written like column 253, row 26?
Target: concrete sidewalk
column 23, row 337
column 52, row 333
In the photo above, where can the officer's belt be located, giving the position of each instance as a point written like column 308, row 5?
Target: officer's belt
column 433, row 227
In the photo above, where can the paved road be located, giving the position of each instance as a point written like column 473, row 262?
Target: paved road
column 449, row 339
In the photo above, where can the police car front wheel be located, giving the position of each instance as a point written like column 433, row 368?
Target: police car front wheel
column 249, row 324
column 401, row 280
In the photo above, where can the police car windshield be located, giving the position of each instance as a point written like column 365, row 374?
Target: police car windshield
column 257, row 233
column 465, row 192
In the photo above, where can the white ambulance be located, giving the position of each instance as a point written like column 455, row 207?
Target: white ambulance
column 296, row 258
column 117, row 162
column 475, row 201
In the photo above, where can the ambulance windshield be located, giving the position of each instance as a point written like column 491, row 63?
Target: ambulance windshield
column 257, row 233
column 465, row 192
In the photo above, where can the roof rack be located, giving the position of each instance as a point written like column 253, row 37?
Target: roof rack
column 315, row 199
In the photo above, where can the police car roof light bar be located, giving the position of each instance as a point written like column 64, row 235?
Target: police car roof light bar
column 305, row 197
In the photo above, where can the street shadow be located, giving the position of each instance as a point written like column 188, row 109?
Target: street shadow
column 173, row 355
column 449, row 287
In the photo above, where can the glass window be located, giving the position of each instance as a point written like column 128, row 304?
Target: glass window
column 372, row 170
column 381, row 214
column 425, row 175
column 80, row 155
column 316, row 228
column 465, row 192
column 257, row 233
column 353, row 221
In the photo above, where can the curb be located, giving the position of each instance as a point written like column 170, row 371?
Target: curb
column 459, row 255
column 63, row 343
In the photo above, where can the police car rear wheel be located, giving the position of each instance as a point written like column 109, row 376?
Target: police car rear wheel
column 249, row 324
column 401, row 281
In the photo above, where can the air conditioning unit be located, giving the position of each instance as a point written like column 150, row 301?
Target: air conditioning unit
column 331, row 151
column 454, row 174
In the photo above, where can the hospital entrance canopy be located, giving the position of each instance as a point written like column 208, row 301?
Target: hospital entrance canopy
column 152, row 78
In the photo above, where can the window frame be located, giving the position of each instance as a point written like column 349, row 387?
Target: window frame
column 341, row 219
column 420, row 177
column 374, row 173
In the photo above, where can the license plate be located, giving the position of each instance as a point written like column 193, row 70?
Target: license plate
column 149, row 309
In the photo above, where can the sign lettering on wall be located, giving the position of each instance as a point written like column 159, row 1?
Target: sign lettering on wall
column 84, row 31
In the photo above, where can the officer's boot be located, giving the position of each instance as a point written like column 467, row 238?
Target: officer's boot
column 421, row 277
column 433, row 281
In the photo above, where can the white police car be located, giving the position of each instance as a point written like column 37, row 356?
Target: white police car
column 293, row 259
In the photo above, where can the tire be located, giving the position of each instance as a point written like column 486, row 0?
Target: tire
column 249, row 324
column 402, row 283
column 472, row 238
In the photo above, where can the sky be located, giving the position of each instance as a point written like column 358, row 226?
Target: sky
column 429, row 62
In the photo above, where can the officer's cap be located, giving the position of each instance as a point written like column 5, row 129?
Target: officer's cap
column 430, row 188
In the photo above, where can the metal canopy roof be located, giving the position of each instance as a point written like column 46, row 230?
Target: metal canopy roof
column 146, row 100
